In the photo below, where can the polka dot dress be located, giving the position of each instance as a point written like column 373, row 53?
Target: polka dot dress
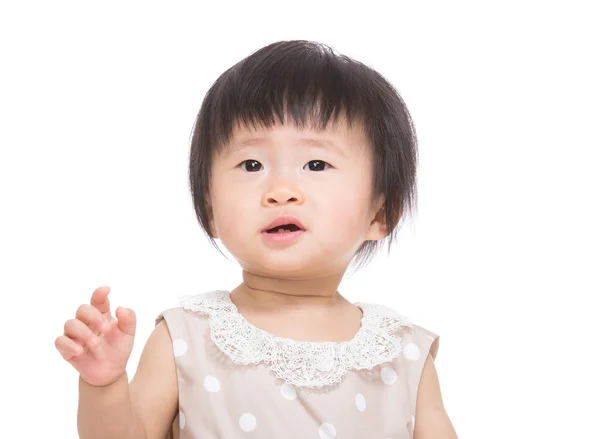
column 221, row 399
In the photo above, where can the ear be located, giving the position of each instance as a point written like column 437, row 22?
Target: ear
column 377, row 229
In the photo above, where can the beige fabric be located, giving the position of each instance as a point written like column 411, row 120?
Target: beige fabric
column 220, row 399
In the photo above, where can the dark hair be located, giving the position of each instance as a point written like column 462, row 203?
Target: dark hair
column 309, row 84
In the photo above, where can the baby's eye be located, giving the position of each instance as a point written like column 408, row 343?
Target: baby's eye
column 316, row 165
column 251, row 165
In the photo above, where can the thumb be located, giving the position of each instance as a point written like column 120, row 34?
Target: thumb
column 126, row 320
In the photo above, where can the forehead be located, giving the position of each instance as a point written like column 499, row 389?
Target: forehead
column 339, row 137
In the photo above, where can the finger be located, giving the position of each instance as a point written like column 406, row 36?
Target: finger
column 96, row 349
column 67, row 347
column 76, row 329
column 100, row 299
column 72, row 352
column 126, row 320
column 92, row 317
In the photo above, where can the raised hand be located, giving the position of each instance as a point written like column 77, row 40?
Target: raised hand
column 96, row 344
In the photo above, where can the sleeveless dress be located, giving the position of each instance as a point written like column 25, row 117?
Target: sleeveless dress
column 238, row 381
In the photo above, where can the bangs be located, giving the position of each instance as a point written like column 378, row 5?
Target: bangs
column 301, row 86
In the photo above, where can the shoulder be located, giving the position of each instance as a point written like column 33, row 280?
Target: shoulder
column 208, row 302
column 419, row 351
column 387, row 316
column 188, row 323
column 413, row 343
column 202, row 303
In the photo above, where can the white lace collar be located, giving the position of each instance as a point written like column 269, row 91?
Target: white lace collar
column 300, row 363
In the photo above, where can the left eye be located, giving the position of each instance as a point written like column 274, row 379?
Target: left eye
column 316, row 165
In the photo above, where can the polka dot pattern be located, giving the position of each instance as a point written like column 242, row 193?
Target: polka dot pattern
column 412, row 351
column 388, row 375
column 208, row 382
column 247, row 422
column 180, row 347
column 212, row 384
column 327, row 431
column 288, row 392
column 361, row 402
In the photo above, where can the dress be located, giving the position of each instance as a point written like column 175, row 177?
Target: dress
column 238, row 381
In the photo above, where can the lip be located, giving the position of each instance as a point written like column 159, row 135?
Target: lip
column 277, row 240
column 282, row 220
column 284, row 239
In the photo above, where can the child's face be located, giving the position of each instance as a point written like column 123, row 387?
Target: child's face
column 265, row 174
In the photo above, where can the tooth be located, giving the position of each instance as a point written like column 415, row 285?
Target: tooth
column 280, row 230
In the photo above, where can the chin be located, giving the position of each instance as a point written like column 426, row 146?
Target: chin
column 283, row 267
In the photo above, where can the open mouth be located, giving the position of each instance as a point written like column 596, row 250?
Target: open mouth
column 284, row 228
column 284, row 231
column 284, row 224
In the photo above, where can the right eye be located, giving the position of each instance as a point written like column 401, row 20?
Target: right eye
column 251, row 165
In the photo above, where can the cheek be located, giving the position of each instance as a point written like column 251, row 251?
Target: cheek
column 237, row 219
column 228, row 207
column 345, row 196
column 344, row 211
column 227, row 220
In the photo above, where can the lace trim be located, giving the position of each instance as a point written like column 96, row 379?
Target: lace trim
column 301, row 363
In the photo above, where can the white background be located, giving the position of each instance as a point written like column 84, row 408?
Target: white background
column 97, row 103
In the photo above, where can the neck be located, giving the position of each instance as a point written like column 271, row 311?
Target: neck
column 276, row 292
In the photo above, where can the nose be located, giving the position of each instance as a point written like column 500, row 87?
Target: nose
column 282, row 195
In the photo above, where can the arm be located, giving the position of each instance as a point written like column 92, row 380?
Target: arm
column 142, row 409
column 431, row 419
column 154, row 391
column 106, row 411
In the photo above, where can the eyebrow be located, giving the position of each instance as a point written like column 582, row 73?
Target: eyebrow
column 322, row 143
column 319, row 143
